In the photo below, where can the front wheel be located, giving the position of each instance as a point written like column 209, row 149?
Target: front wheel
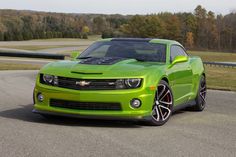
column 163, row 104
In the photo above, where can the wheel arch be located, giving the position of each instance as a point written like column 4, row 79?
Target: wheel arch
column 196, row 84
column 165, row 79
column 204, row 74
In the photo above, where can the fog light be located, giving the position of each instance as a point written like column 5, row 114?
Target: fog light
column 40, row 97
column 135, row 103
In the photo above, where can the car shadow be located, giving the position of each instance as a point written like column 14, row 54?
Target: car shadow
column 24, row 113
column 178, row 113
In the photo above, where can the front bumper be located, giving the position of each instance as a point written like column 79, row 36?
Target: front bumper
column 137, row 118
column 117, row 96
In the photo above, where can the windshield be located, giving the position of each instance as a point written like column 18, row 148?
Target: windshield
column 139, row 50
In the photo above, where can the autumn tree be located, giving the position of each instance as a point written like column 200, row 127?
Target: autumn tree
column 144, row 26
column 211, row 35
column 85, row 31
column 173, row 29
column 189, row 40
column 201, row 31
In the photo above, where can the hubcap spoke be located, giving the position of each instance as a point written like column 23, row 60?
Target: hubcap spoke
column 155, row 113
column 203, row 97
column 203, row 88
column 162, row 91
column 168, row 91
column 203, row 92
column 166, row 103
column 165, row 112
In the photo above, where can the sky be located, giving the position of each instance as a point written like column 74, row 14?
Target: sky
column 119, row 6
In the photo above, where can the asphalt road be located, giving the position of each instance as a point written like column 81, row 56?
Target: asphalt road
column 22, row 133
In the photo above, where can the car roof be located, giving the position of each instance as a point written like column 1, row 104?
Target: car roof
column 151, row 40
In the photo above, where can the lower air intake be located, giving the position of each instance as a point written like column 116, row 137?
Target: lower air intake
column 85, row 105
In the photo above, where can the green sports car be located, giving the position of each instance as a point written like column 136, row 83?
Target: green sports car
column 123, row 78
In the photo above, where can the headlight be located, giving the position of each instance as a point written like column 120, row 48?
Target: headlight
column 48, row 79
column 128, row 83
column 133, row 83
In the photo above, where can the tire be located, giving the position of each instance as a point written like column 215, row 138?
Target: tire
column 163, row 105
column 201, row 96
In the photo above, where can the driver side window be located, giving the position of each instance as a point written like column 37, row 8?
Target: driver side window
column 176, row 51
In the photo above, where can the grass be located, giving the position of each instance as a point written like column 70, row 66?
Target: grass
column 214, row 56
column 12, row 66
column 221, row 78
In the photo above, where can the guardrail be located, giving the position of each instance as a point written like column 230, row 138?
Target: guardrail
column 220, row 64
column 33, row 55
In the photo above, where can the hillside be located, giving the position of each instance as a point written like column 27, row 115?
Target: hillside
column 201, row 29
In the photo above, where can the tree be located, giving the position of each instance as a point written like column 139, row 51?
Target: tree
column 201, row 31
column 99, row 24
column 85, row 30
column 219, row 25
column 211, row 36
column 189, row 40
column 144, row 26
column 173, row 28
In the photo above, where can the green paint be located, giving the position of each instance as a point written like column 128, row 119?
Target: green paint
column 183, row 76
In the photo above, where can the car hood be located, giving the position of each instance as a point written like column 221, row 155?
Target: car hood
column 123, row 68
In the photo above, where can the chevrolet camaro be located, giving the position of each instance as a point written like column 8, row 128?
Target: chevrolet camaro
column 122, row 78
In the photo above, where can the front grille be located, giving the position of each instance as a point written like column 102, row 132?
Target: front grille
column 86, row 84
column 85, row 105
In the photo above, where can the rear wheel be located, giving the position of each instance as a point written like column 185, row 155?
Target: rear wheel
column 163, row 104
column 201, row 96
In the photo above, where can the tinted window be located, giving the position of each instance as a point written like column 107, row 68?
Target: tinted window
column 139, row 50
column 176, row 51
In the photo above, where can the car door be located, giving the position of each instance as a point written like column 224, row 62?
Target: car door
column 181, row 74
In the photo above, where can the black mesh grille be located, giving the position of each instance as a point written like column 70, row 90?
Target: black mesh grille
column 87, row 84
column 85, row 105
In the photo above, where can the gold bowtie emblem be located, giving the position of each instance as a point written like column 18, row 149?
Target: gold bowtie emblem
column 82, row 83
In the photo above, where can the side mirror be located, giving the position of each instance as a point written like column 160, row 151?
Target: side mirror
column 74, row 55
column 179, row 59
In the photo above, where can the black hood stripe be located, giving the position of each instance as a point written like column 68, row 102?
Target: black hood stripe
column 102, row 61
